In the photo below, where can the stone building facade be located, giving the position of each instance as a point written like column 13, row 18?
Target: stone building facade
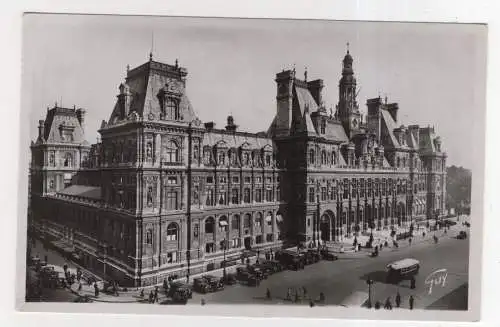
column 164, row 194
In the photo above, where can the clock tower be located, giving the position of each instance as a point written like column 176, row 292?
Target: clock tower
column 347, row 108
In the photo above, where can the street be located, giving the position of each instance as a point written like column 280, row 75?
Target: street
column 340, row 278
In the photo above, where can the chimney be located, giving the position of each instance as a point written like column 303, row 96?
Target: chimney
column 393, row 110
column 373, row 117
column 415, row 132
column 41, row 128
column 80, row 115
column 209, row 126
column 231, row 127
column 316, row 87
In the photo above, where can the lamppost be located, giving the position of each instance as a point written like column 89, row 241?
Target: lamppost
column 224, row 248
column 369, row 282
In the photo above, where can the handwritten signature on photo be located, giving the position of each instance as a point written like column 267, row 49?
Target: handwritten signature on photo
column 437, row 278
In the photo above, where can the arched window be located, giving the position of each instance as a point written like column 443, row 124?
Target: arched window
column 324, row 159
column 196, row 149
column 258, row 220
column 222, row 158
column 399, row 162
column 149, row 237
column 311, row 156
column 209, row 225
column 172, row 232
column 247, row 221
column 172, row 153
column 235, row 222
column 334, row 158
column 323, row 126
column 246, row 195
column 68, row 160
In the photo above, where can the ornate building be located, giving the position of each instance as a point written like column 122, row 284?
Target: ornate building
column 164, row 194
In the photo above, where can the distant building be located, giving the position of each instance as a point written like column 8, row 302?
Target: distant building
column 162, row 194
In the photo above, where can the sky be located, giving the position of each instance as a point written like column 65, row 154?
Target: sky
column 436, row 72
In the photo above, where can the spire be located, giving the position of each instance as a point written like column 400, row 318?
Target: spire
column 347, row 47
column 305, row 74
column 176, row 63
column 151, row 56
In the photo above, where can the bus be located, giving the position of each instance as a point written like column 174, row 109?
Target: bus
column 402, row 269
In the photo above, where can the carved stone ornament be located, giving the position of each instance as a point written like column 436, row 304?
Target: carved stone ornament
column 151, row 116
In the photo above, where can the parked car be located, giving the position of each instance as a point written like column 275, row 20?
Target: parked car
column 313, row 255
column 255, row 272
column 327, row 255
column 462, row 235
column 270, row 267
column 181, row 296
column 176, row 286
column 230, row 279
column 214, row 283
column 248, row 279
column 200, row 285
column 291, row 260
column 449, row 222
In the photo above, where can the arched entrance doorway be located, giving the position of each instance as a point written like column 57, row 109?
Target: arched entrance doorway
column 401, row 213
column 324, row 227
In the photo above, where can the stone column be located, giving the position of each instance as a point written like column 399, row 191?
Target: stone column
column 157, row 150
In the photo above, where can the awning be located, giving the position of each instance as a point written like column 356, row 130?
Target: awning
column 223, row 222
column 269, row 218
column 279, row 218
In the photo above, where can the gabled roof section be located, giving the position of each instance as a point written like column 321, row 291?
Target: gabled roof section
column 390, row 126
column 410, row 140
column 335, row 131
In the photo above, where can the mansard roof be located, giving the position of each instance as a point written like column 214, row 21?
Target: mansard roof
column 144, row 86
column 59, row 119
column 236, row 140
column 83, row 191
column 390, row 125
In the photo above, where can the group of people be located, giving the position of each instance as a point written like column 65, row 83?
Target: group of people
column 297, row 294
column 153, row 296
column 388, row 303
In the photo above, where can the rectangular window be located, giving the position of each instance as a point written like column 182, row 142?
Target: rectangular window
column 236, row 179
column 269, row 195
column 210, row 248
column 354, row 191
column 362, row 188
column 383, row 186
column 196, row 230
column 269, row 180
column 172, row 180
column 311, row 194
column 369, row 187
column 258, row 179
column 269, row 237
column 172, row 201
column 278, row 194
column 323, row 194
column 171, row 257
column 210, row 197
column 235, row 196
column 221, row 198
column 258, row 195
column 247, row 179
column 346, row 188
column 210, row 180
column 222, row 180
column 246, row 195
column 377, row 181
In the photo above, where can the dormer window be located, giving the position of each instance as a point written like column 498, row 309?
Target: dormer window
column 323, row 126
column 172, row 109
column 68, row 160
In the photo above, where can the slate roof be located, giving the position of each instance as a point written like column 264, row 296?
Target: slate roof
column 235, row 140
column 57, row 117
column 84, row 191
column 391, row 126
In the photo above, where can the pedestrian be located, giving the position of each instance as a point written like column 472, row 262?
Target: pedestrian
column 423, row 234
column 377, row 305
column 409, row 240
column 412, row 283
column 268, row 294
column 96, row 290
column 322, row 297
column 202, row 301
column 311, row 303
column 141, row 294
column 289, row 294
column 46, row 258
column 304, row 290
column 79, row 287
column 412, row 301
column 150, row 297
column 398, row 300
column 388, row 304
column 296, row 296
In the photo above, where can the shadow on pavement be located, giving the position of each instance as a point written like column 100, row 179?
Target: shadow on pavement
column 455, row 300
column 377, row 276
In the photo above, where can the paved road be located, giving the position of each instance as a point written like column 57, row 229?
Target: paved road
column 339, row 278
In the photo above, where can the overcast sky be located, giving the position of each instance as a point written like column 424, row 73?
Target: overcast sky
column 436, row 72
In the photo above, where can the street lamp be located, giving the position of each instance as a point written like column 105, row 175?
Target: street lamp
column 369, row 282
column 224, row 248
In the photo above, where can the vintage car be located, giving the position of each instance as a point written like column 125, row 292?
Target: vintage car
column 248, row 279
column 246, row 270
column 175, row 286
column 258, row 271
column 230, row 279
column 291, row 260
column 328, row 255
column 181, row 295
column 270, row 267
column 312, row 256
column 200, row 285
column 214, row 283
column 462, row 235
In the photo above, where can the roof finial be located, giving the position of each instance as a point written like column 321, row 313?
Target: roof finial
column 293, row 68
column 305, row 74
column 152, row 46
column 347, row 47
column 150, row 56
column 386, row 98
column 176, row 63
